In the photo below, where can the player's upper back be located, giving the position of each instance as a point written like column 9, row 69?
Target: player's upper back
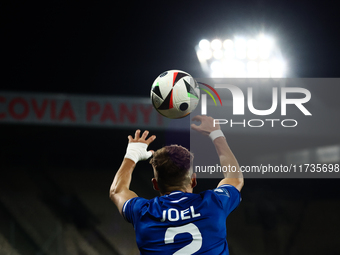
column 183, row 223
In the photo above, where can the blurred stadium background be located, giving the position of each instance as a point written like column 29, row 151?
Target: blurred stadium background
column 55, row 175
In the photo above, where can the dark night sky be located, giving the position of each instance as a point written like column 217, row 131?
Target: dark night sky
column 120, row 47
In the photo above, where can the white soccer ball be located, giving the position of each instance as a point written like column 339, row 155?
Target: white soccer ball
column 175, row 94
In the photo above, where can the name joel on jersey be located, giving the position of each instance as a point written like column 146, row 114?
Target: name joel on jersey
column 172, row 214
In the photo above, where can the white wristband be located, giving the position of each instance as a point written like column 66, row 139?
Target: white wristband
column 215, row 134
column 137, row 151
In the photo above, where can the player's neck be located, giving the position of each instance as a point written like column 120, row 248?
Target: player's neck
column 170, row 190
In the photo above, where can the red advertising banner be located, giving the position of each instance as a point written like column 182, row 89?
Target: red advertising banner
column 80, row 110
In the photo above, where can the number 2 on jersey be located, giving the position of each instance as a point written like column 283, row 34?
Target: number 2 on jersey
column 190, row 228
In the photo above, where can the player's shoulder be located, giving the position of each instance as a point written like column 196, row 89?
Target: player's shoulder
column 224, row 190
column 139, row 203
column 133, row 207
column 222, row 194
column 136, row 202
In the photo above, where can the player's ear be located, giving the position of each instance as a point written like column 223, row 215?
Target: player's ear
column 193, row 180
column 155, row 184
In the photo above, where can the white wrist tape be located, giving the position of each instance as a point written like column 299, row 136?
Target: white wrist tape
column 137, row 152
column 216, row 133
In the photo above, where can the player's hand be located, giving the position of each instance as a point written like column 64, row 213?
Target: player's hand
column 206, row 126
column 137, row 147
column 141, row 139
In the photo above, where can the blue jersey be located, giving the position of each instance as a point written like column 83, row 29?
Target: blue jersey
column 183, row 223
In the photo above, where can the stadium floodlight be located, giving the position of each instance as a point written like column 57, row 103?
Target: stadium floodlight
column 277, row 68
column 265, row 46
column 216, row 44
column 252, row 49
column 240, row 48
column 252, row 69
column 264, row 69
column 204, row 44
column 228, row 44
column 241, row 57
column 218, row 54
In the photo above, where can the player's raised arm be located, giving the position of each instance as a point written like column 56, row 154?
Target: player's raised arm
column 225, row 154
column 137, row 150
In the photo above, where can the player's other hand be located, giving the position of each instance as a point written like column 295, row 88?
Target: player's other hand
column 137, row 147
column 206, row 126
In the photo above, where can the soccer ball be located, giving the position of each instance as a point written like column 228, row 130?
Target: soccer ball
column 175, row 94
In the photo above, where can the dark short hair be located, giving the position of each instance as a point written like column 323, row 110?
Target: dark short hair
column 173, row 166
